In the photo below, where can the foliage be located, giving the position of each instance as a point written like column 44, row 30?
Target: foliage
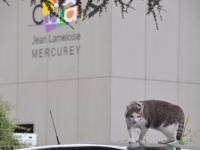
column 189, row 135
column 83, row 12
column 7, row 127
column 5, row 1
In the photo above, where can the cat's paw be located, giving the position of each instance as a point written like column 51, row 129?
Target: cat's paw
column 130, row 142
column 139, row 141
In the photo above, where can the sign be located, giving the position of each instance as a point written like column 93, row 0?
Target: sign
column 30, row 138
column 70, row 14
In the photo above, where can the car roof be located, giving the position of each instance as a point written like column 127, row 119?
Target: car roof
column 82, row 146
column 115, row 146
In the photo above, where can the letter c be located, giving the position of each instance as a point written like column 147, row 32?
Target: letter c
column 37, row 22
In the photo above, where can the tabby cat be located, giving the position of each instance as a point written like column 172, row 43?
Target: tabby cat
column 159, row 115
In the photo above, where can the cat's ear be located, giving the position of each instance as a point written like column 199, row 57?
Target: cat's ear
column 127, row 108
column 140, row 110
column 139, row 107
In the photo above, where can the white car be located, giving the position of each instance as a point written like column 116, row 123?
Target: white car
column 114, row 146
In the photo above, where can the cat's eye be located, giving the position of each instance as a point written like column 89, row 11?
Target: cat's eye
column 138, row 116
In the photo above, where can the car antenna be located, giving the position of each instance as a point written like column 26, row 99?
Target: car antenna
column 55, row 129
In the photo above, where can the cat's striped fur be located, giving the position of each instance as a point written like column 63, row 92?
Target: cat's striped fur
column 155, row 114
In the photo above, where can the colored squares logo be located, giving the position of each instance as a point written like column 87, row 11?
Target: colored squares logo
column 70, row 14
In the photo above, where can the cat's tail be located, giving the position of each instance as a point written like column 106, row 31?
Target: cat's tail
column 180, row 127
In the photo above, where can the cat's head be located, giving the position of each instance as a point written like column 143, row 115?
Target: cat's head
column 134, row 113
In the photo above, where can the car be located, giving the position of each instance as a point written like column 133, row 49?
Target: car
column 114, row 146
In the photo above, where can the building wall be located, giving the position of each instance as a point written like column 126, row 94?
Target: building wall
column 155, row 64
column 75, row 85
column 116, row 61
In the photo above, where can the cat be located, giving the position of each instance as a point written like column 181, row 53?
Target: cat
column 159, row 115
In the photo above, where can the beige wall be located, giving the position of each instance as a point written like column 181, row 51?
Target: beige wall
column 151, row 64
column 119, row 61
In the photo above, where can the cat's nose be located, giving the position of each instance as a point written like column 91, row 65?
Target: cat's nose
column 134, row 122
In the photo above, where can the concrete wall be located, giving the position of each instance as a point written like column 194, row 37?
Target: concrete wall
column 75, row 86
column 151, row 64
column 114, row 62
